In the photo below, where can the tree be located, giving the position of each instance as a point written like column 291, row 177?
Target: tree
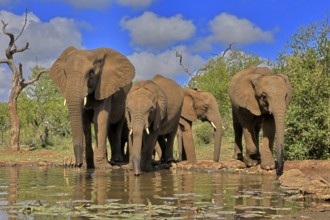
column 306, row 60
column 18, row 81
column 42, row 112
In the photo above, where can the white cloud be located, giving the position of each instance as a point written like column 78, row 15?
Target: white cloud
column 135, row 3
column 46, row 41
column 5, row 83
column 152, row 31
column 228, row 28
column 166, row 63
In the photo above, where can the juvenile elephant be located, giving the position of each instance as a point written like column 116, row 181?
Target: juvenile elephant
column 259, row 99
column 153, row 112
column 200, row 105
column 90, row 81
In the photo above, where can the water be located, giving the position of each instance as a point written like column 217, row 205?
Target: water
column 59, row 193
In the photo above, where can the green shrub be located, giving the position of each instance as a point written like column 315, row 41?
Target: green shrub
column 203, row 133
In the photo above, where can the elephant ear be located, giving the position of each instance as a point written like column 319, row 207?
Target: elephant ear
column 117, row 72
column 188, row 111
column 242, row 91
column 57, row 73
column 289, row 89
column 161, row 111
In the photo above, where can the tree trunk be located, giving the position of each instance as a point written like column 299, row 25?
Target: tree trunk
column 13, row 115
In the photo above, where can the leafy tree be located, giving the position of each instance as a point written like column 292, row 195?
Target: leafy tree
column 42, row 112
column 238, row 60
column 4, row 121
column 306, row 60
column 215, row 75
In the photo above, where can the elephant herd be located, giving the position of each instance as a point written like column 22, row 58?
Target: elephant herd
column 97, row 86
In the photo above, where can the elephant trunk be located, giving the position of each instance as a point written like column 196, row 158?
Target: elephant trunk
column 279, row 117
column 75, row 107
column 137, row 149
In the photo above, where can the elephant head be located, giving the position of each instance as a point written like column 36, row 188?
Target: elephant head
column 202, row 105
column 97, row 73
column 262, row 92
column 146, row 108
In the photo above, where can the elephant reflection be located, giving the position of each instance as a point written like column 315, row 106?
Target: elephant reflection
column 91, row 81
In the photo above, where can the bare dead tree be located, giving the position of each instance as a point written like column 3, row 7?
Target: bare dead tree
column 18, row 81
column 179, row 54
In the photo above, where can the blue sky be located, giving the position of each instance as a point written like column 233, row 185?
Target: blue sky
column 149, row 32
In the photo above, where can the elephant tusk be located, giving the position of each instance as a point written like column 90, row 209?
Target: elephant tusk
column 212, row 123
column 85, row 101
column 130, row 132
column 147, row 130
column 64, row 103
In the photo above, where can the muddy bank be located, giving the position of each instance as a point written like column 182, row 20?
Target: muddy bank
column 308, row 179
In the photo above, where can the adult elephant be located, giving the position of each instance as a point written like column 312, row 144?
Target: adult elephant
column 89, row 80
column 153, row 112
column 259, row 100
column 200, row 105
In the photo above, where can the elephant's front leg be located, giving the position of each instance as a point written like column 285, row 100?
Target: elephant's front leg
column 88, row 153
column 268, row 127
column 252, row 152
column 188, row 141
column 148, row 146
column 169, row 146
column 238, row 131
column 101, row 124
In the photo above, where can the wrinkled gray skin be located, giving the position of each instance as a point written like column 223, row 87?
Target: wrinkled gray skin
column 153, row 112
column 259, row 100
column 200, row 105
column 96, row 75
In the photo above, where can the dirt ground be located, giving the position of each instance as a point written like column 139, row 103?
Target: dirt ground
column 310, row 178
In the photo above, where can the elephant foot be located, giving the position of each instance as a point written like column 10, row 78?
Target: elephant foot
column 268, row 165
column 238, row 156
column 250, row 162
column 101, row 163
column 118, row 158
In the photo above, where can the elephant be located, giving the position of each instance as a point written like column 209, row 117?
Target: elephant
column 200, row 105
column 91, row 81
column 152, row 113
column 259, row 100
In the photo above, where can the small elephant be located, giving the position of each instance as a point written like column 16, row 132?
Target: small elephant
column 259, row 100
column 90, row 81
column 200, row 105
column 153, row 112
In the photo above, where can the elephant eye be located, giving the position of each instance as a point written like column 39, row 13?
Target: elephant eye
column 263, row 97
column 91, row 73
column 151, row 109
column 206, row 107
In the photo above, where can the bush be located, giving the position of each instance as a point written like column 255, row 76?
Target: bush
column 307, row 66
column 203, row 133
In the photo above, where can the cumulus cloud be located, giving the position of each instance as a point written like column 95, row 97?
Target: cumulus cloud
column 46, row 41
column 166, row 63
column 228, row 28
column 152, row 31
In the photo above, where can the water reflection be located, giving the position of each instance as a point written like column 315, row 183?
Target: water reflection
column 220, row 194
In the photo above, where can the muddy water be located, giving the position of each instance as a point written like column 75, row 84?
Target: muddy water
column 57, row 193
